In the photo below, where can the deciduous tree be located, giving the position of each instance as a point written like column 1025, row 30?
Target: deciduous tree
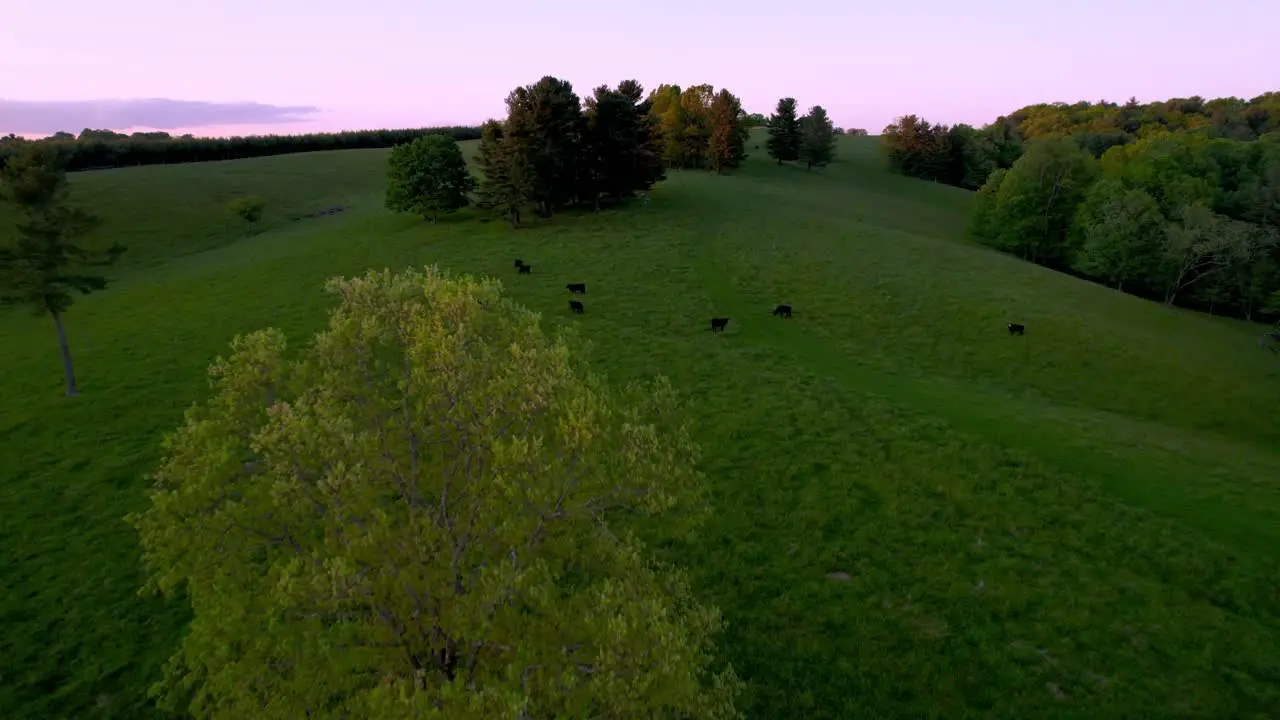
column 1121, row 236
column 784, row 132
column 47, row 264
column 429, row 177
column 727, row 145
column 425, row 513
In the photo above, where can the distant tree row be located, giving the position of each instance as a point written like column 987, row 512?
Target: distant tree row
column 95, row 149
column 809, row 139
column 1181, row 217
column 964, row 156
column 555, row 151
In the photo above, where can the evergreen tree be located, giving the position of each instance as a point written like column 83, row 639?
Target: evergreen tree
column 550, row 133
column 818, row 140
column 610, row 144
column 727, row 145
column 45, row 265
column 784, row 132
column 647, row 169
column 429, row 177
column 499, row 190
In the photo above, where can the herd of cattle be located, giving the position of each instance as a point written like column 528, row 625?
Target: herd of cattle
column 718, row 324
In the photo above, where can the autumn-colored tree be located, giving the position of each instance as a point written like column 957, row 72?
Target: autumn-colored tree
column 817, row 138
column 695, row 104
column 916, row 148
column 784, row 132
column 429, row 177
column 47, row 264
column 727, row 146
column 426, row 513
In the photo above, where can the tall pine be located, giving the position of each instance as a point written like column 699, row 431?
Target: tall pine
column 727, row 142
column 501, row 189
column 818, row 139
column 548, row 139
column 784, row 132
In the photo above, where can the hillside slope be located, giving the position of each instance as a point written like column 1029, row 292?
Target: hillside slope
column 1080, row 522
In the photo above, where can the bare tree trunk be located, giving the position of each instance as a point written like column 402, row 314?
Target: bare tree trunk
column 67, row 368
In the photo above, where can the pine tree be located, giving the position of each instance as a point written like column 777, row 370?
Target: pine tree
column 498, row 192
column 552, row 124
column 727, row 146
column 647, row 169
column 784, row 132
column 818, row 140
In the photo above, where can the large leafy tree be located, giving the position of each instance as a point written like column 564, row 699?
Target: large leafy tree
column 727, row 142
column 425, row 513
column 783, row 144
column 1121, row 236
column 46, row 264
column 429, row 177
column 1031, row 213
column 817, row 138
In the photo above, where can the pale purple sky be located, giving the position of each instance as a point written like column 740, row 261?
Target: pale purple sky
column 412, row 63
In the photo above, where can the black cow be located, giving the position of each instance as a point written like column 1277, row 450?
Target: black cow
column 519, row 264
column 1016, row 329
column 717, row 324
column 526, row 269
column 782, row 311
column 576, row 306
column 577, row 288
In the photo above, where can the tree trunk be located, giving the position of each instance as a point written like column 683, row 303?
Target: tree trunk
column 67, row 368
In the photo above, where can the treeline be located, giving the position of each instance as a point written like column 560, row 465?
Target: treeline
column 964, row 156
column 1183, row 217
column 555, row 150
column 98, row 149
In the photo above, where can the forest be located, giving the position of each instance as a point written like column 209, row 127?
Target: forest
column 102, row 149
column 1175, row 201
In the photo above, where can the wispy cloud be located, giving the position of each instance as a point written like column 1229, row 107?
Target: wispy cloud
column 48, row 117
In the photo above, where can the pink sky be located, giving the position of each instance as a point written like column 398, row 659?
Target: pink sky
column 412, row 63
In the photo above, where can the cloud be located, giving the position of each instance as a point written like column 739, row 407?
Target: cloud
column 47, row 117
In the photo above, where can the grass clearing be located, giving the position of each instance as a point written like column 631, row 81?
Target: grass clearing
column 1080, row 522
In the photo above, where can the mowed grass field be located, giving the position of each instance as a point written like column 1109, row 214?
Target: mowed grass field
column 1082, row 522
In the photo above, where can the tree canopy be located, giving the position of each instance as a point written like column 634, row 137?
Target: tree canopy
column 425, row 513
column 429, row 177
column 817, row 138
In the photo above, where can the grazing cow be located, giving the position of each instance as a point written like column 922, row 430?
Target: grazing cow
column 577, row 288
column 783, row 311
column 519, row 264
column 526, row 269
column 717, row 324
column 576, row 306
column 1016, row 328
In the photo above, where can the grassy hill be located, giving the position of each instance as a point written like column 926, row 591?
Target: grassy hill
column 1081, row 522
